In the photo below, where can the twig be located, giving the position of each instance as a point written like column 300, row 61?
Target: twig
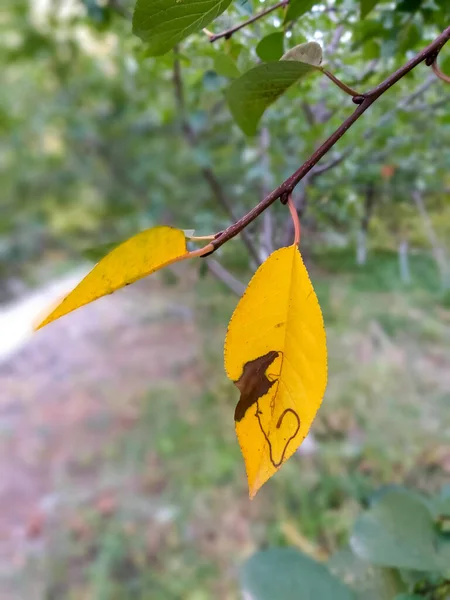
column 229, row 32
column 363, row 101
column 225, row 276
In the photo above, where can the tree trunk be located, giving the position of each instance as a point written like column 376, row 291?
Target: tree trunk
column 361, row 242
column 403, row 262
column 436, row 248
column 361, row 247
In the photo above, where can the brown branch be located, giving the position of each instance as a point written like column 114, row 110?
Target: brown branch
column 229, row 32
column 364, row 102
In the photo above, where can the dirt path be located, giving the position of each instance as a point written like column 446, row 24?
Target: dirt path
column 72, row 386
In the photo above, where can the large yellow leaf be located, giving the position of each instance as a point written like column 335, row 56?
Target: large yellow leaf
column 139, row 256
column 275, row 352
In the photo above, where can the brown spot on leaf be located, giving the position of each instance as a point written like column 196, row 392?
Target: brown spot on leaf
column 253, row 383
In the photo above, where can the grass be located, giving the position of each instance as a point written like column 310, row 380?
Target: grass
column 181, row 522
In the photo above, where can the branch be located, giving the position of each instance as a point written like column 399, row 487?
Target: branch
column 225, row 277
column 445, row 101
column 208, row 174
column 364, row 102
column 229, row 32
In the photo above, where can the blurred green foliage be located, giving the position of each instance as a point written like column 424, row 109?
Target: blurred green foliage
column 93, row 148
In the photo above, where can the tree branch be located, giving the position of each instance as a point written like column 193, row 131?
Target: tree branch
column 225, row 277
column 364, row 102
column 229, row 32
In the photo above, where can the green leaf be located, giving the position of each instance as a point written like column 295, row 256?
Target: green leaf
column 408, row 597
column 365, row 6
column 271, row 47
column 164, row 23
column 225, row 65
column 398, row 531
column 250, row 95
column 371, row 50
column 368, row 582
column 297, row 8
column 286, row 574
column 308, row 52
column 409, row 37
column 409, row 6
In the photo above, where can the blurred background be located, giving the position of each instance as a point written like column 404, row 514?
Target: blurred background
column 120, row 472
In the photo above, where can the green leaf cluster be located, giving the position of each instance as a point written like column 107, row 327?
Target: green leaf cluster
column 397, row 550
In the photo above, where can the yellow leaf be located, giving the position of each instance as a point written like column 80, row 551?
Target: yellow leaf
column 275, row 352
column 139, row 256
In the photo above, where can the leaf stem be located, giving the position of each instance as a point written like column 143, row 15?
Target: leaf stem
column 201, row 251
column 439, row 73
column 364, row 101
column 229, row 32
column 346, row 88
column 295, row 220
column 199, row 238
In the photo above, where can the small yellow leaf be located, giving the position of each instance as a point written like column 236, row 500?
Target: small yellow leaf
column 275, row 352
column 138, row 257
